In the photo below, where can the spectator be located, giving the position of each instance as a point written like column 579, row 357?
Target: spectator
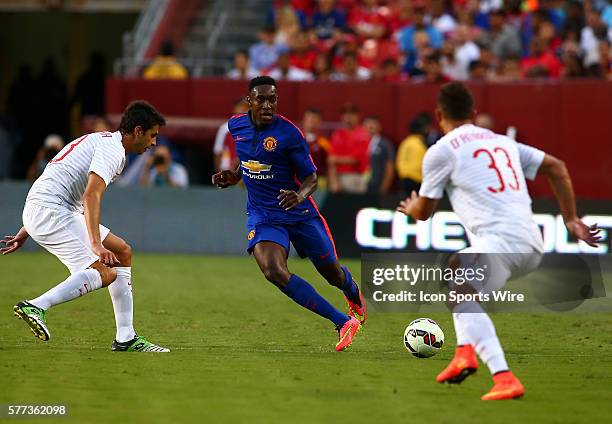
column 484, row 120
column 440, row 19
column 165, row 65
column 392, row 72
column 53, row 100
column 351, row 71
column 466, row 50
column 400, row 16
column 411, row 152
column 549, row 36
column 367, row 21
column 162, row 171
column 541, row 63
column 348, row 161
column 591, row 34
column 450, row 67
column 478, row 71
column 320, row 147
column 265, row 53
column 53, row 144
column 432, row 70
column 407, row 36
column 101, row 124
column 503, row 38
column 89, row 90
column 327, row 19
column 242, row 69
column 302, row 54
column 288, row 25
column 603, row 68
column 222, row 151
column 283, row 70
column 572, row 65
column 510, row 69
column 322, row 69
column 382, row 157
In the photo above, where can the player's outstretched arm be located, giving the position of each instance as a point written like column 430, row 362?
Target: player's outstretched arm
column 561, row 184
column 92, row 198
column 13, row 243
column 288, row 199
column 227, row 178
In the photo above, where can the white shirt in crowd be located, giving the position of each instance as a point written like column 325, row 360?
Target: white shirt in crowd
column 484, row 175
column 64, row 179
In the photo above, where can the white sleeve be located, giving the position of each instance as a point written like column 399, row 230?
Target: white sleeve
column 438, row 165
column 220, row 139
column 531, row 159
column 107, row 162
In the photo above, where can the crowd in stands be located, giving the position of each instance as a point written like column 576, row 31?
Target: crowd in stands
column 431, row 40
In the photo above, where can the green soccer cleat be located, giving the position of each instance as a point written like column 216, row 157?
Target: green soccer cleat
column 137, row 344
column 34, row 317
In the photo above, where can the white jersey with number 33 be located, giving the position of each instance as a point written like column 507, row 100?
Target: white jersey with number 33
column 484, row 175
column 65, row 177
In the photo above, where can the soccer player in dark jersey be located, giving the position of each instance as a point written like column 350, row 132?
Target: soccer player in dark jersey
column 280, row 177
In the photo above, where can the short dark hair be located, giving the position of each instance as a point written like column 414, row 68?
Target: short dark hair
column 167, row 48
column 372, row 118
column 350, row 108
column 141, row 114
column 314, row 110
column 261, row 80
column 456, row 101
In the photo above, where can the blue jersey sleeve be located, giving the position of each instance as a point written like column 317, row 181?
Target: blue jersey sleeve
column 299, row 154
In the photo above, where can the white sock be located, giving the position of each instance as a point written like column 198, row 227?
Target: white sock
column 479, row 330
column 76, row 285
column 121, row 295
column 460, row 330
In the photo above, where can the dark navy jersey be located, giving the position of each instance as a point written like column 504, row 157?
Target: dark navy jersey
column 272, row 158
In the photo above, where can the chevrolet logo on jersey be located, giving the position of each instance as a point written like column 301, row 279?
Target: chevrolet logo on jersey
column 255, row 170
column 255, row 167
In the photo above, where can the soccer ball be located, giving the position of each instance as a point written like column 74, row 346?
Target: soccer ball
column 423, row 338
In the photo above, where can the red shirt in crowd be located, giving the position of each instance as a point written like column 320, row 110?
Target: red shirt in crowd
column 354, row 144
column 546, row 60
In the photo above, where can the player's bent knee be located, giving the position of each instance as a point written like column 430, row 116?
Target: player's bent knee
column 125, row 252
column 277, row 276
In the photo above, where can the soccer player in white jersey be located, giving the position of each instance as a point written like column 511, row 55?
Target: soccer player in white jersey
column 484, row 175
column 62, row 214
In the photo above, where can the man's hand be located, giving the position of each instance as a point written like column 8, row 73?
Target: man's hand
column 583, row 232
column 107, row 257
column 225, row 179
column 418, row 207
column 406, row 206
column 288, row 199
column 13, row 243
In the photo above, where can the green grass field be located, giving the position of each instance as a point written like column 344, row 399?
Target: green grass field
column 241, row 352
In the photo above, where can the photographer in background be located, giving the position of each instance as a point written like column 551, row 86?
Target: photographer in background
column 53, row 144
column 161, row 171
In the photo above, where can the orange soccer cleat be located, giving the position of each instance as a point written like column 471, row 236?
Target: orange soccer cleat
column 346, row 333
column 507, row 386
column 358, row 311
column 463, row 364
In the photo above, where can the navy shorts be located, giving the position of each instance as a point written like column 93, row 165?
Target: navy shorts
column 311, row 239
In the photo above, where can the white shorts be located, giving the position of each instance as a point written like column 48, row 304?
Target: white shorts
column 503, row 260
column 62, row 233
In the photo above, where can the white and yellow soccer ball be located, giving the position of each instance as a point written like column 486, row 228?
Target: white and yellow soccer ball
column 423, row 338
